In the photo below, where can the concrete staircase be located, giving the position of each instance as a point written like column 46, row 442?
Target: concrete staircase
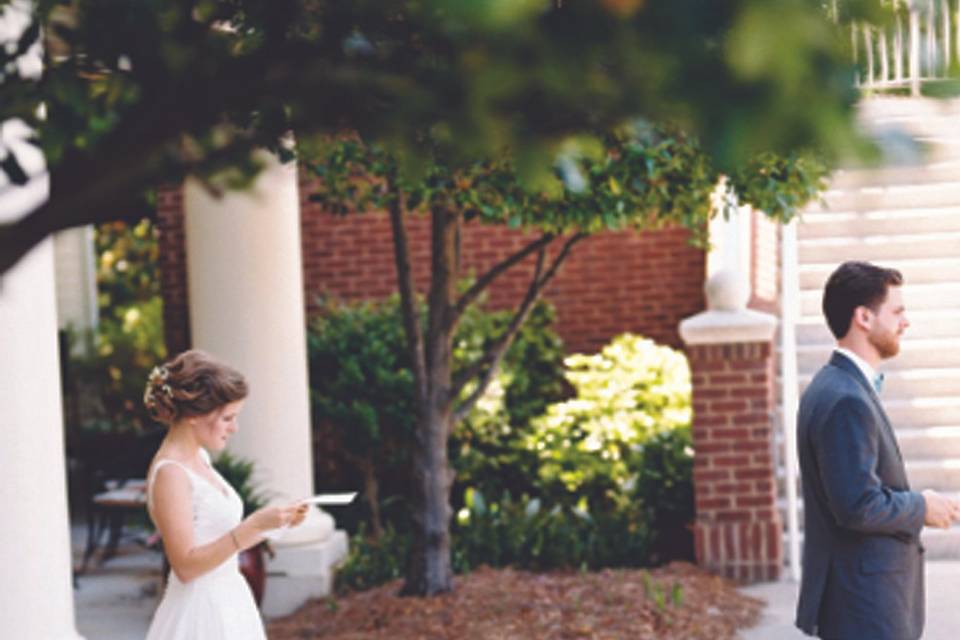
column 905, row 215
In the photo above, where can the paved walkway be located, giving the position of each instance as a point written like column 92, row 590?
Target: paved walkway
column 116, row 601
column 943, row 606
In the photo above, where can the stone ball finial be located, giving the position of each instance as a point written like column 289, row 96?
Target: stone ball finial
column 726, row 291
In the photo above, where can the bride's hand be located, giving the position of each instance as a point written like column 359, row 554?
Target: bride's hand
column 273, row 517
column 300, row 513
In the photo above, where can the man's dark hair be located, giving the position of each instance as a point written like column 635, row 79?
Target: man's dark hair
column 855, row 284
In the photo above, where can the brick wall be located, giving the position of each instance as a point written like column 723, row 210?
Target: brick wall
column 738, row 529
column 173, row 268
column 611, row 283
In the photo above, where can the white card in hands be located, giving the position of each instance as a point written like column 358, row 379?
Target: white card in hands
column 323, row 499
column 330, row 499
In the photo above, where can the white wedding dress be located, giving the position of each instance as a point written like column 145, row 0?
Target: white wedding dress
column 217, row 605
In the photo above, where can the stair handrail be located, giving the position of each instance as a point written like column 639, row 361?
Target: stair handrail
column 920, row 45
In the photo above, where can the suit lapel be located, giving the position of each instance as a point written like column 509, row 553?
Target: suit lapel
column 842, row 362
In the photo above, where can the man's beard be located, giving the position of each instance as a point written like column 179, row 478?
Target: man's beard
column 886, row 344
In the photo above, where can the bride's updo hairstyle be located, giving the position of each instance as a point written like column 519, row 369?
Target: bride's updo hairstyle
column 191, row 384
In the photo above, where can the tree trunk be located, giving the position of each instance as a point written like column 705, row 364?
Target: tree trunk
column 371, row 491
column 430, row 571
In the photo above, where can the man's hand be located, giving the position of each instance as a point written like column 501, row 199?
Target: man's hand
column 941, row 510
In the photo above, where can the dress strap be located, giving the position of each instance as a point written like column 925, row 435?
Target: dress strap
column 153, row 474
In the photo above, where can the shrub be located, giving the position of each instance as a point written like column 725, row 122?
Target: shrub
column 373, row 560
column 531, row 535
column 487, row 449
column 608, row 473
column 591, row 446
column 362, row 398
column 602, row 479
column 107, row 368
column 664, row 488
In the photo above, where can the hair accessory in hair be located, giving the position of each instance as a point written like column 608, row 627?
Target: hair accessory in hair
column 148, row 397
column 158, row 375
column 157, row 378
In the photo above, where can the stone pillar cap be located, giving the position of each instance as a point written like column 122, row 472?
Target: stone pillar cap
column 727, row 319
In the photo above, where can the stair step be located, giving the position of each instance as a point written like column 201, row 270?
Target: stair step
column 832, row 224
column 913, row 383
column 929, row 443
column 897, row 196
column 915, row 353
column 909, row 414
column 940, row 475
column 901, row 108
column 941, row 146
column 926, row 173
column 879, row 248
column 917, row 444
column 937, row 296
column 813, row 275
column 923, row 412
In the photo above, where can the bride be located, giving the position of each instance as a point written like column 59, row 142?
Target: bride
column 198, row 514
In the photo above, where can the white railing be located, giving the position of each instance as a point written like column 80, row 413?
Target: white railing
column 919, row 46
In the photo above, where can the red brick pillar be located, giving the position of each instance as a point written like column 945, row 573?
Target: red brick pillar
column 173, row 268
column 737, row 532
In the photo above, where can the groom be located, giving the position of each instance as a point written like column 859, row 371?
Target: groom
column 862, row 558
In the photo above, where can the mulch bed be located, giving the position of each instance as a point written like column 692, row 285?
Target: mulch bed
column 504, row 603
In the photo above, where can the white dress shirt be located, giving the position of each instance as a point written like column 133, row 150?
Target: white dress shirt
column 868, row 372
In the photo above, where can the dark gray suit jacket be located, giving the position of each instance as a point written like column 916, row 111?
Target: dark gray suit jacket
column 862, row 559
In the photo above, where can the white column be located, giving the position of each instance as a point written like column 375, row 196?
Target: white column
column 731, row 238
column 36, row 596
column 245, row 281
column 246, row 307
column 76, row 279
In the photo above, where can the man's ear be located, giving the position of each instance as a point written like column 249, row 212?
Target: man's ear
column 863, row 317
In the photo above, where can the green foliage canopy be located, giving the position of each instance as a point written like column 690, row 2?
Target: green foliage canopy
column 139, row 94
column 641, row 177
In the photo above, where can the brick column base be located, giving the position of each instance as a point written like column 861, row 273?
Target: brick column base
column 738, row 532
column 742, row 551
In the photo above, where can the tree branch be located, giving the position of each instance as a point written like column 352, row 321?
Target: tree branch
column 487, row 278
column 494, row 355
column 88, row 186
column 492, row 352
column 85, row 190
column 408, row 301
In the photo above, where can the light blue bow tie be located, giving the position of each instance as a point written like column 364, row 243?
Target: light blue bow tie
column 878, row 382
